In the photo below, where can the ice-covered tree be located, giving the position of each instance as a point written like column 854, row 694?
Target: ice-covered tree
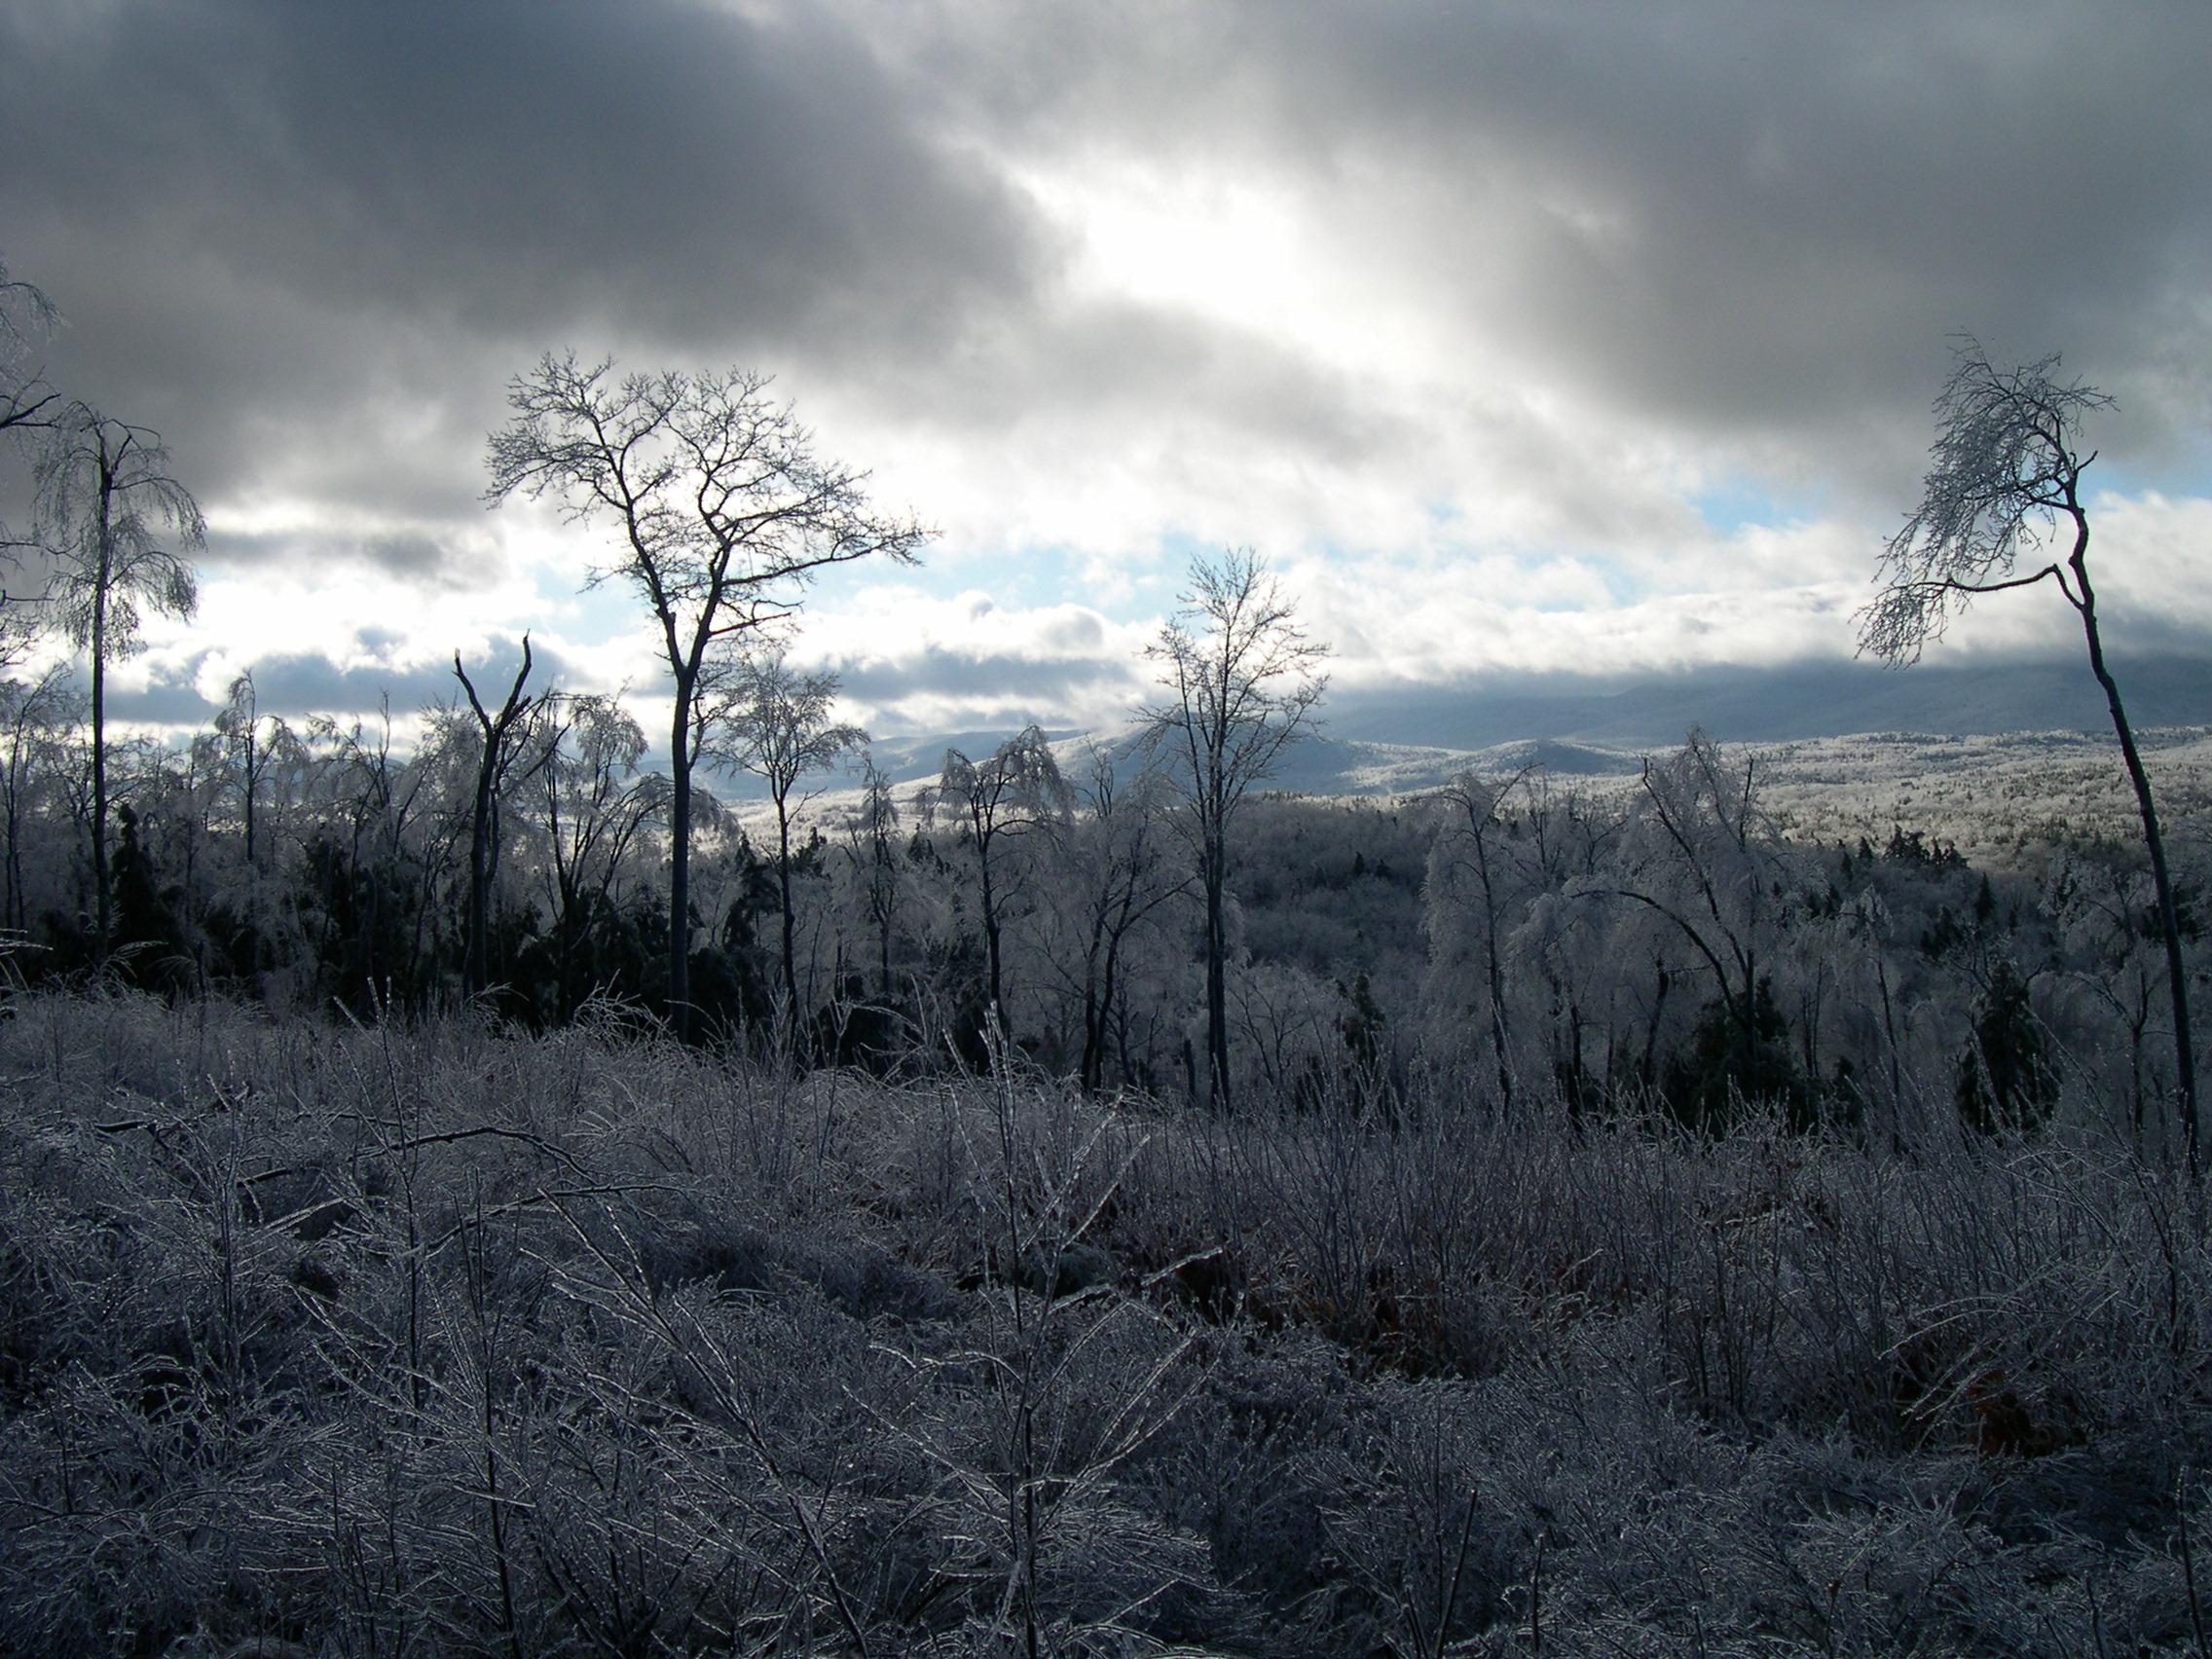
column 724, row 512
column 2004, row 481
column 1012, row 790
column 119, row 530
column 1241, row 678
column 780, row 724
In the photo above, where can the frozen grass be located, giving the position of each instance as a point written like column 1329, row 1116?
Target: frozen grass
column 386, row 1342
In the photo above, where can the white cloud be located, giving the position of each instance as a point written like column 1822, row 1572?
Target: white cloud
column 1468, row 318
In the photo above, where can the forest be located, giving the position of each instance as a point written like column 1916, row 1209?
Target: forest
column 468, row 1187
column 1649, row 942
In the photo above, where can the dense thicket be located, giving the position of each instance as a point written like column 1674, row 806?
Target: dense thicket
column 316, row 1338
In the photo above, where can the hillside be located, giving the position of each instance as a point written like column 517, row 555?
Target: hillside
column 1405, row 740
column 351, row 1340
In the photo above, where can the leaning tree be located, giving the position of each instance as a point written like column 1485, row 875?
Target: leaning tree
column 2005, row 477
column 724, row 512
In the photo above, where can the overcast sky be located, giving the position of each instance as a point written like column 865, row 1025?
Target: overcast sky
column 1521, row 337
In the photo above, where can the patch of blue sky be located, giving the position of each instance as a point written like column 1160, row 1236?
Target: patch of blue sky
column 590, row 616
column 1119, row 587
column 2185, row 470
column 1623, row 587
column 1593, row 581
column 1544, row 597
column 1736, row 502
column 1175, row 551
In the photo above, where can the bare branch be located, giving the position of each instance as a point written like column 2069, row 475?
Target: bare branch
column 1243, row 680
column 725, row 513
column 2005, row 464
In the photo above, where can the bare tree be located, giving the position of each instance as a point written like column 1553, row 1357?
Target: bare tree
column 1707, row 867
column 2005, row 475
column 499, row 750
column 776, row 724
column 873, row 834
column 119, row 529
column 1242, row 680
column 34, row 716
column 1016, row 789
column 255, row 744
column 1470, row 845
column 1114, row 881
column 725, row 510
column 596, row 806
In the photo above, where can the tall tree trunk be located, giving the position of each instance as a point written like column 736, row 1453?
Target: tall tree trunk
column 1108, row 984
column 883, row 899
column 883, row 956
column 784, row 897
column 14, row 852
column 249, row 782
column 2169, row 917
column 99, row 751
column 1217, row 978
column 991, row 940
column 1495, row 972
column 484, row 821
column 680, row 865
column 1094, row 1041
column 473, row 970
column 1093, row 1008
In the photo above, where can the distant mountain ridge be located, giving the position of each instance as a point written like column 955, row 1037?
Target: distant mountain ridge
column 1802, row 700
column 1394, row 740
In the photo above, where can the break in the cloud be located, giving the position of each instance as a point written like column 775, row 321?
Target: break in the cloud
column 923, row 664
column 1524, row 337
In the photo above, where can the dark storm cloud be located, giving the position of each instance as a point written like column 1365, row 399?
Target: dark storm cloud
column 313, row 242
column 305, row 229
column 1761, row 221
column 511, row 166
column 1810, row 199
column 162, row 702
column 410, row 552
column 414, row 555
column 946, row 672
column 294, row 685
